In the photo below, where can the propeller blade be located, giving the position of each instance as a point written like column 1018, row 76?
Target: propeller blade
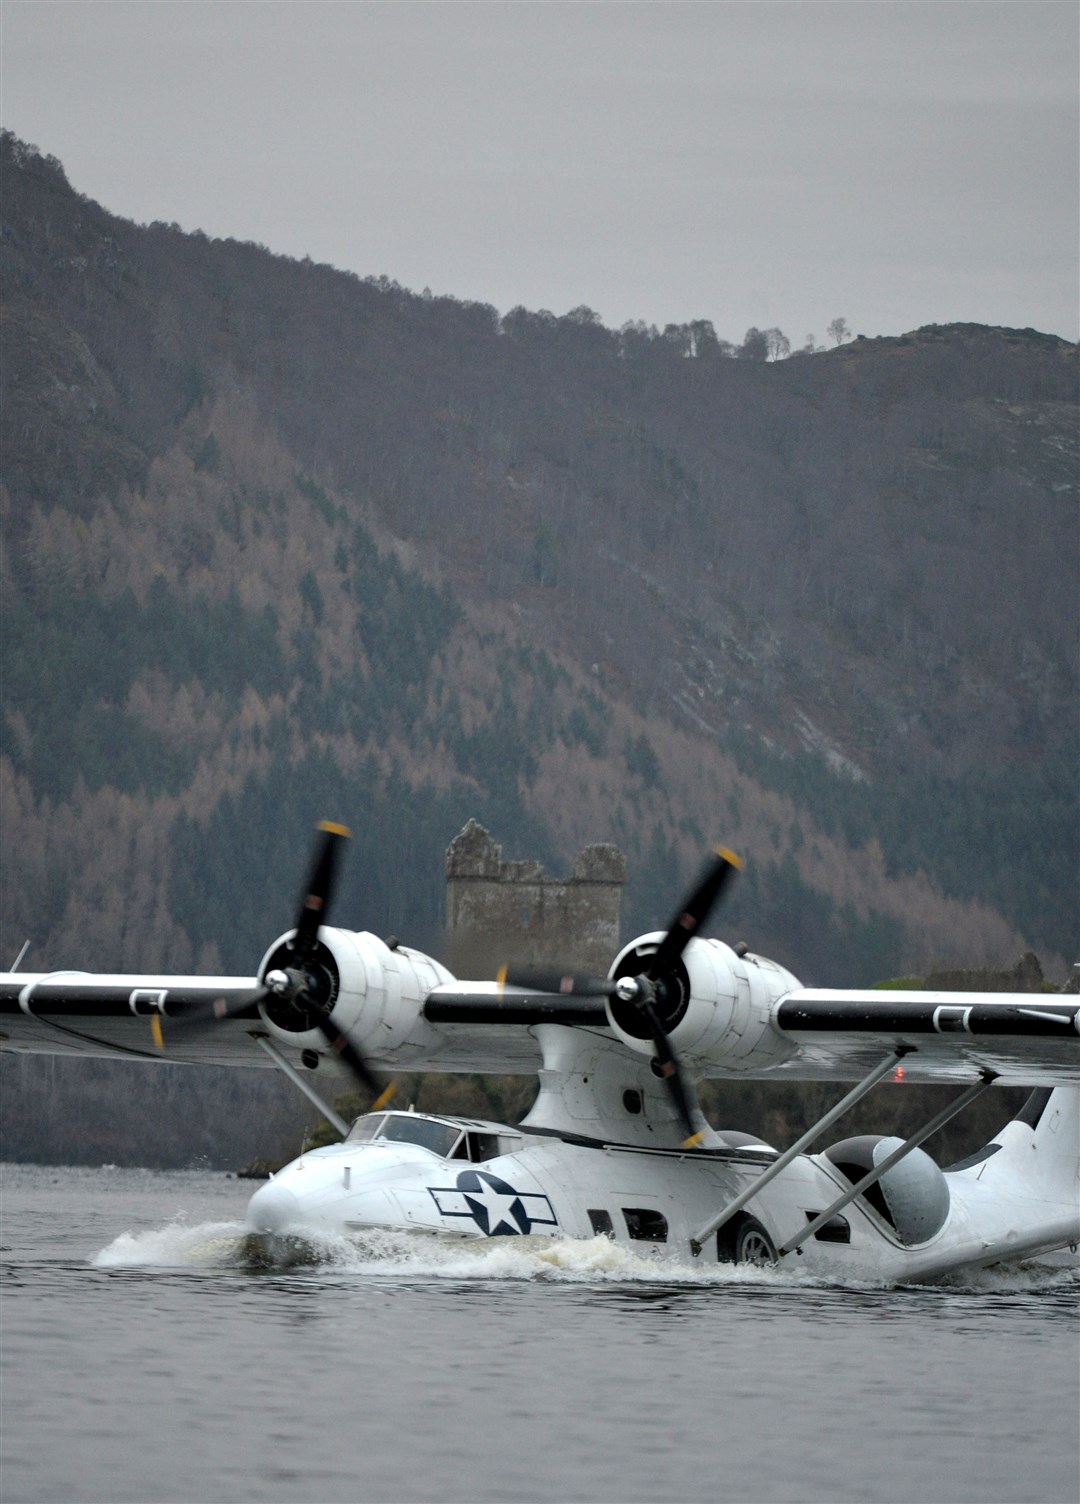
column 347, row 1052
column 693, row 914
column 671, row 1072
column 550, row 981
column 205, row 1013
column 316, row 902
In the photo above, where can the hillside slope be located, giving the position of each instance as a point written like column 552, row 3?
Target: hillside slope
column 282, row 543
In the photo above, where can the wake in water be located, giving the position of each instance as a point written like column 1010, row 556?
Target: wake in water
column 384, row 1252
column 231, row 1246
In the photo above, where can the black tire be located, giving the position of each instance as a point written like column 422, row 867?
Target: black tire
column 753, row 1245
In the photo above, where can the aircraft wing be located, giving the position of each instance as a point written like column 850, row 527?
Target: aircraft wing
column 130, row 1017
column 196, row 1020
column 1026, row 1039
column 807, row 1034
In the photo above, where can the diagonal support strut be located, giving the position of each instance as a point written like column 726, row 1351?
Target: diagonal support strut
column 873, row 1176
column 298, row 1081
column 856, row 1094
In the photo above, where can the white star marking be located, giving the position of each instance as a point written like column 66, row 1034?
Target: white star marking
column 496, row 1204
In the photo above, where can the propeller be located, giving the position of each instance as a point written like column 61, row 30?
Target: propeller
column 655, row 991
column 303, row 986
column 697, row 908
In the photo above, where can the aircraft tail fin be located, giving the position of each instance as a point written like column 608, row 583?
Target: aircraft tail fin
column 1018, row 1197
column 1042, row 1143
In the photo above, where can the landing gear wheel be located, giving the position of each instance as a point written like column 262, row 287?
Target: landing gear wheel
column 753, row 1245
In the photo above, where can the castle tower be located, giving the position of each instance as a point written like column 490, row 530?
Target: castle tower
column 504, row 912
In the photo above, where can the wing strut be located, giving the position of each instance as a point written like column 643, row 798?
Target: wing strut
column 873, row 1176
column 781, row 1163
column 303, row 1085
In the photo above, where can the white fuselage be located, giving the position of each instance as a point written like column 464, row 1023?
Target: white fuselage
column 462, row 1179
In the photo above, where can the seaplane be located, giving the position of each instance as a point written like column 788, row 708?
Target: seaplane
column 616, row 1145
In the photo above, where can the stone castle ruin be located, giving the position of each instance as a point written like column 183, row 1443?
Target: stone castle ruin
column 499, row 912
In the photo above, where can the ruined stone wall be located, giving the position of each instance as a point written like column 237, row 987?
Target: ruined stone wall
column 500, row 913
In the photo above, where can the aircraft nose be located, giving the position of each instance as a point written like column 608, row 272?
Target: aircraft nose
column 272, row 1208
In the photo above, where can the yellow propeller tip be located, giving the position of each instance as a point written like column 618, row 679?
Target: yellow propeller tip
column 383, row 1097
column 500, row 975
column 729, row 856
column 155, row 1031
column 333, row 830
column 693, row 1141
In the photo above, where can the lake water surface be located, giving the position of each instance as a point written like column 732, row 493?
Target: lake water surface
column 143, row 1363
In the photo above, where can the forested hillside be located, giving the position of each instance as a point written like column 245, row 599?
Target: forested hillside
column 282, row 543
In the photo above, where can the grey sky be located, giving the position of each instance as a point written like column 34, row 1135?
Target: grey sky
column 749, row 163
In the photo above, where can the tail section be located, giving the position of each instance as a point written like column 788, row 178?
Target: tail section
column 1042, row 1143
column 1020, row 1194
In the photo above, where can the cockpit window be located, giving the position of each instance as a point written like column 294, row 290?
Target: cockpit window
column 406, row 1128
column 365, row 1128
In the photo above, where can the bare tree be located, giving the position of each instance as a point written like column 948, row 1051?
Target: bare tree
column 839, row 331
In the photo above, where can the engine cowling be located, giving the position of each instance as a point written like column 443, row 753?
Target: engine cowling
column 375, row 995
column 716, row 1006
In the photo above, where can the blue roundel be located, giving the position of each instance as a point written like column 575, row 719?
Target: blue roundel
column 495, row 1207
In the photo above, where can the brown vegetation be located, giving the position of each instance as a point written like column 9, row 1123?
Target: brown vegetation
column 279, row 543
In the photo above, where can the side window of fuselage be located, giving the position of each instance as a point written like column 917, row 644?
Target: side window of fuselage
column 645, row 1225
column 483, row 1146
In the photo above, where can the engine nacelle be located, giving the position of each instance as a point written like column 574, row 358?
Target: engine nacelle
column 716, row 1006
column 376, row 995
